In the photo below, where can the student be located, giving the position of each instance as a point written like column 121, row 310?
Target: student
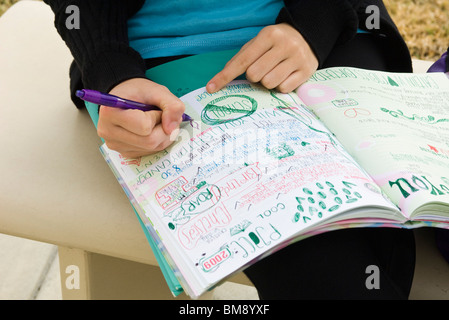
column 282, row 43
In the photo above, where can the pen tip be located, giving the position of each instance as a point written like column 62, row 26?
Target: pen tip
column 80, row 93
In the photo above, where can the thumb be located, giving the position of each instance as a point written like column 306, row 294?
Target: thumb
column 155, row 94
column 172, row 110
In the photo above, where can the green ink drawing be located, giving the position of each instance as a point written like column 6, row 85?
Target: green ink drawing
column 254, row 237
column 304, row 218
column 407, row 186
column 241, row 227
column 399, row 114
column 201, row 184
column 306, row 118
column 296, row 217
column 228, row 108
column 349, row 102
column 392, row 82
column 307, row 191
column 322, row 205
column 348, row 184
column 281, row 152
column 204, row 197
column 314, row 204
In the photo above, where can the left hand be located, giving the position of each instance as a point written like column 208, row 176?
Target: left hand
column 278, row 57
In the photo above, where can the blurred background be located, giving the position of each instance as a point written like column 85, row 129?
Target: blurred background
column 424, row 24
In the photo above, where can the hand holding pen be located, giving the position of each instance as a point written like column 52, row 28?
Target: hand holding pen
column 128, row 130
column 110, row 100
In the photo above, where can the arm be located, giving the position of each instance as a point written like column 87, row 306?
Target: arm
column 100, row 46
column 105, row 62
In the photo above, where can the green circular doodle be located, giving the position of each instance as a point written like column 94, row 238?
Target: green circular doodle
column 228, row 108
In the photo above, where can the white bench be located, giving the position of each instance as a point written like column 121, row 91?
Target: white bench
column 55, row 186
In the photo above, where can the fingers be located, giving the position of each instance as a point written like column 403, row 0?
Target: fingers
column 132, row 132
column 238, row 65
column 135, row 121
column 278, row 57
column 136, row 133
column 284, row 77
column 172, row 108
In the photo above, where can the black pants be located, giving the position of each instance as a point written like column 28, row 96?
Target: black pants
column 334, row 265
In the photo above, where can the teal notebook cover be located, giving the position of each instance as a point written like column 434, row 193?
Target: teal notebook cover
column 172, row 282
column 180, row 77
column 185, row 75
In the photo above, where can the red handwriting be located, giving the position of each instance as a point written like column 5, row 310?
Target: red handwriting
column 129, row 161
column 354, row 112
column 191, row 232
column 171, row 193
column 233, row 184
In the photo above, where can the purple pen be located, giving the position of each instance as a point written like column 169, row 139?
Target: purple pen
column 110, row 100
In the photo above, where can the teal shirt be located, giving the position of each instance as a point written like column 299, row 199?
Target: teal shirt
column 185, row 27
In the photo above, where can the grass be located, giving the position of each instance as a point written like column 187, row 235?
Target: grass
column 424, row 24
column 5, row 4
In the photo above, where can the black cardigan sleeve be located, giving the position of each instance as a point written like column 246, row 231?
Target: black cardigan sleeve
column 100, row 47
column 328, row 23
column 322, row 23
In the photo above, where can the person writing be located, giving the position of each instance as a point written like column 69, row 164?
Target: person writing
column 281, row 44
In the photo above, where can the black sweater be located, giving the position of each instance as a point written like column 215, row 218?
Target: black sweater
column 103, row 57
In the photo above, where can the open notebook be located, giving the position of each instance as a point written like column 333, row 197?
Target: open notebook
column 258, row 170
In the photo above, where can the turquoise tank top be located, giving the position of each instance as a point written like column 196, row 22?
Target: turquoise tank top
column 164, row 28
